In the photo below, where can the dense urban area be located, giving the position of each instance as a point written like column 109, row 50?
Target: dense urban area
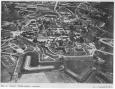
column 56, row 42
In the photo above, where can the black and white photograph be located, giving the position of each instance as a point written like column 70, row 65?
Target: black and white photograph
column 57, row 42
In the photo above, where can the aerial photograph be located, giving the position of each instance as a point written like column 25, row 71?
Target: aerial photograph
column 57, row 42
